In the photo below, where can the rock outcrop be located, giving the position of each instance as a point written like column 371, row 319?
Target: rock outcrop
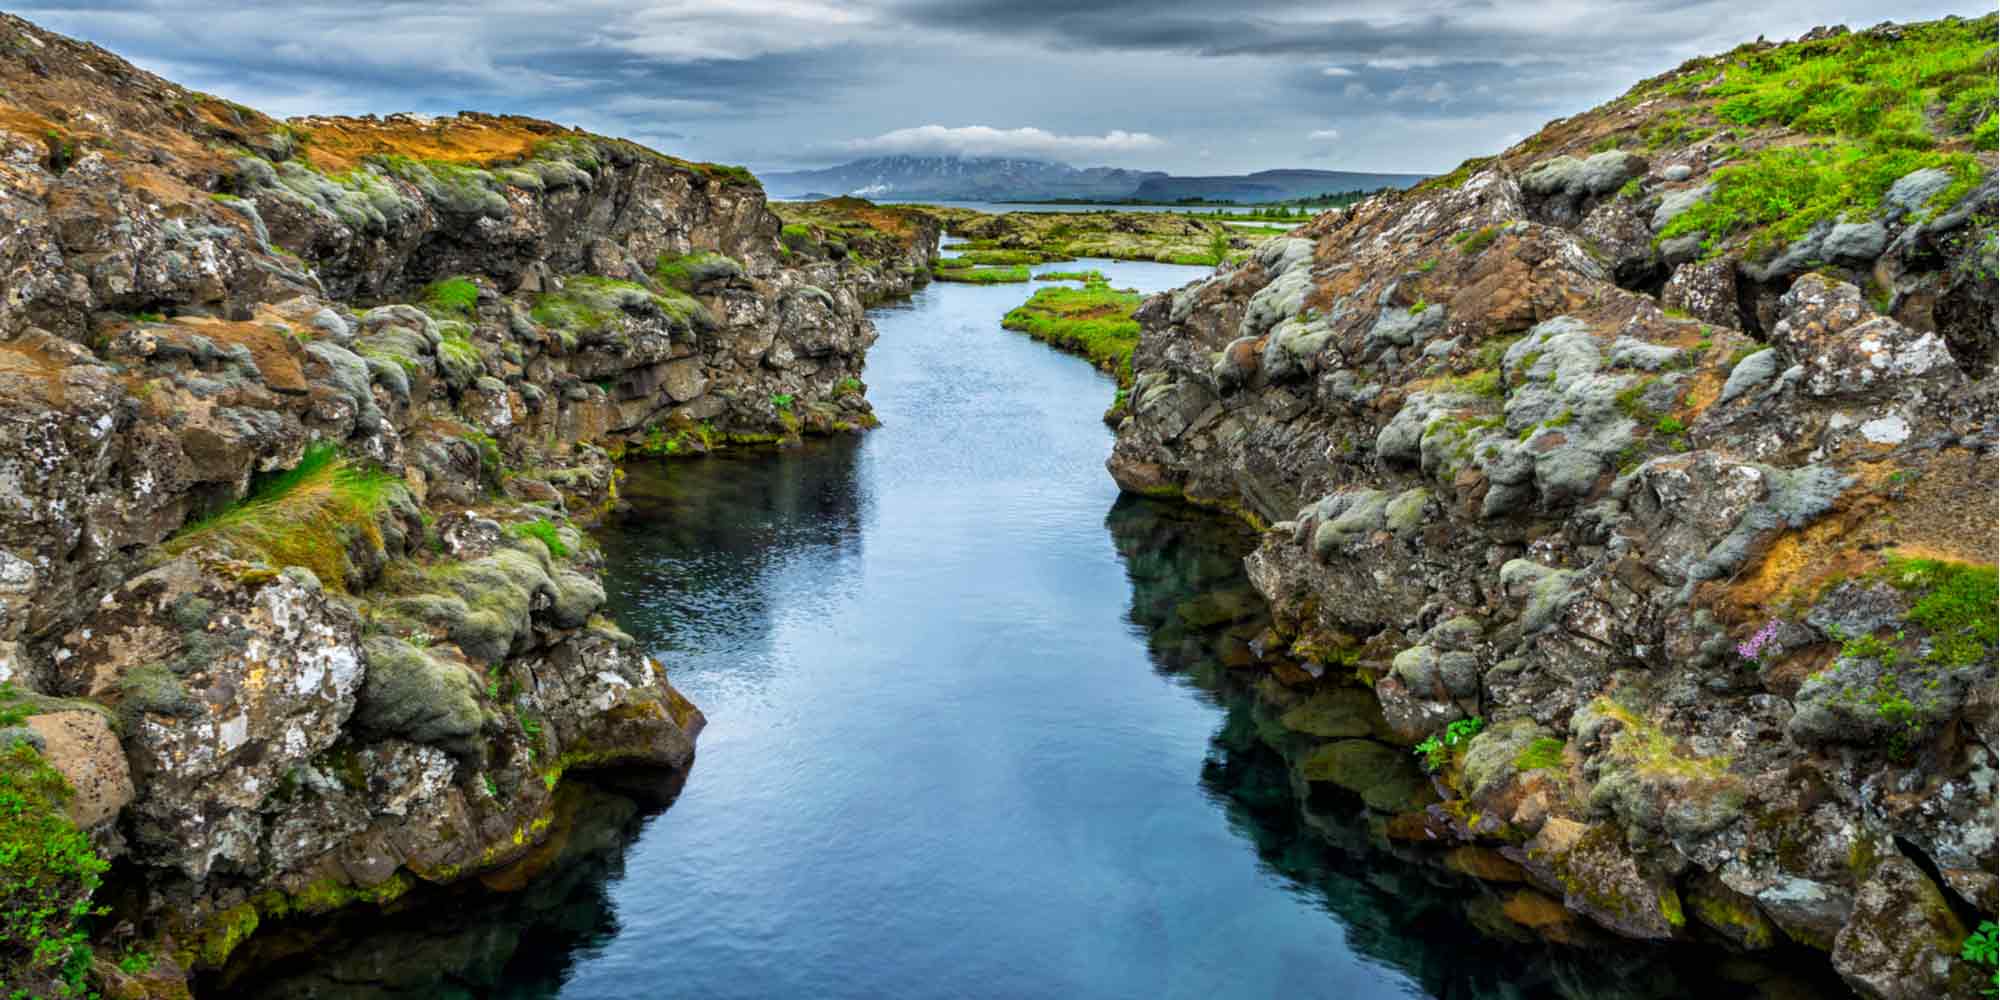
column 1697, row 525
column 297, row 421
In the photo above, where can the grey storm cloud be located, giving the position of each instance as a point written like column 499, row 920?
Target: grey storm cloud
column 1361, row 84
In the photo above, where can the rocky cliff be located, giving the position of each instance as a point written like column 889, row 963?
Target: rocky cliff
column 297, row 420
column 1645, row 472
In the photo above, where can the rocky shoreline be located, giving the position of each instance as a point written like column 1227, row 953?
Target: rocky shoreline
column 1667, row 550
column 301, row 423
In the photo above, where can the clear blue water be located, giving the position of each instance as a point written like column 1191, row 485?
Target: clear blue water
column 959, row 744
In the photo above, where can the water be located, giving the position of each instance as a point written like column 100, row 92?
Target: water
column 960, row 744
column 1002, row 207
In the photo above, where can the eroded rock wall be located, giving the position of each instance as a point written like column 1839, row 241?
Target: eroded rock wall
column 462, row 323
column 1679, row 528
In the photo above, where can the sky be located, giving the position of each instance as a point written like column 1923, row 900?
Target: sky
column 1188, row 86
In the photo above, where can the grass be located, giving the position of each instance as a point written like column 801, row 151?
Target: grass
column 1867, row 88
column 544, row 531
column 1472, row 241
column 1545, row 753
column 48, row 873
column 1094, row 321
column 982, row 275
column 1457, row 178
column 300, row 517
column 1877, row 109
column 1083, row 276
column 1785, row 191
column 972, row 258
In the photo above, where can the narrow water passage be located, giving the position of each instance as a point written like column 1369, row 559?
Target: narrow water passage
column 964, row 741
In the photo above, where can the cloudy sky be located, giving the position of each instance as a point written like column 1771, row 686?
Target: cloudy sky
column 1191, row 86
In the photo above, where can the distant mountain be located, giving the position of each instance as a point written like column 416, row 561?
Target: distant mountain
column 957, row 178
column 966, row 178
column 1269, row 185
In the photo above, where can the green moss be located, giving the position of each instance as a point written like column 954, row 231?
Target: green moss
column 542, row 530
column 1957, row 604
column 590, row 305
column 451, row 297
column 1485, row 382
column 1742, row 918
column 225, row 933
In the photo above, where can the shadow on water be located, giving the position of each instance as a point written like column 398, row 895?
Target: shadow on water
column 514, row 934
column 1398, row 906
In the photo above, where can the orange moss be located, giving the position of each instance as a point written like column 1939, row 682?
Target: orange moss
column 276, row 355
column 336, row 145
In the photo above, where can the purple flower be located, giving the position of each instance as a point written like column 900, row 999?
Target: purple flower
column 1753, row 647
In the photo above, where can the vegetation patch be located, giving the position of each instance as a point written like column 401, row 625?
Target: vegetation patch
column 1545, row 753
column 48, row 873
column 1867, row 87
column 303, row 516
column 544, row 531
column 1785, row 191
column 982, row 275
column 1094, row 321
column 1436, row 749
column 451, row 297
column 1958, row 605
column 590, row 305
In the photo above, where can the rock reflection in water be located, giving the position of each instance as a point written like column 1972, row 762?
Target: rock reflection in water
column 515, row 933
column 1403, row 906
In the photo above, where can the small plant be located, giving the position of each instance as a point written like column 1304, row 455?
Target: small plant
column 1754, row 648
column 1417, row 308
column 48, row 873
column 1436, row 750
column 492, row 790
column 1218, row 246
column 1670, row 425
column 849, row 386
column 782, row 400
column 135, row 962
column 1982, row 947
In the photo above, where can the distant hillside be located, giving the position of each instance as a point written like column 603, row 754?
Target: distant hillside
column 1269, row 185
column 955, row 178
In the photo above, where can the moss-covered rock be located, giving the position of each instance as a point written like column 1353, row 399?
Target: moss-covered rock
column 419, row 695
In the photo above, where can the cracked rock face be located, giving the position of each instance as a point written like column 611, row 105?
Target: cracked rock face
column 481, row 312
column 1679, row 540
